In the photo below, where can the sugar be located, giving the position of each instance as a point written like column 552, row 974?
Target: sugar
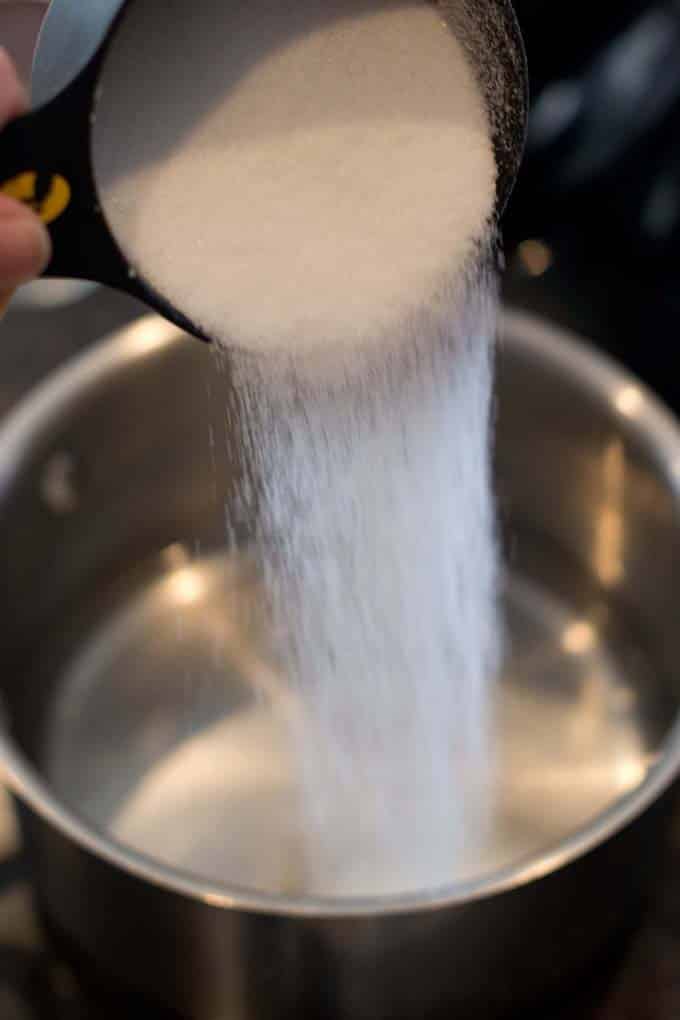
column 377, row 544
column 318, row 197
column 318, row 166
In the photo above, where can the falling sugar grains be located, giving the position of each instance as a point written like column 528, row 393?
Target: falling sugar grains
column 319, row 201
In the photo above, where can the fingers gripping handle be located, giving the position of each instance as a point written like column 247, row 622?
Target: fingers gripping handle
column 45, row 162
column 25, row 176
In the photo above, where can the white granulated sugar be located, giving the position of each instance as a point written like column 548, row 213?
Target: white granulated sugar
column 317, row 196
column 377, row 546
column 317, row 166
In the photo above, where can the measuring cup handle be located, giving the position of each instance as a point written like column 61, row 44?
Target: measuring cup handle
column 26, row 175
column 45, row 161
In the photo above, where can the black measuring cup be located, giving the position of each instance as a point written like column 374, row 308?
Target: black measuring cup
column 46, row 156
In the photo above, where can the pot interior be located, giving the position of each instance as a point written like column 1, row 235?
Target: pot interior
column 134, row 649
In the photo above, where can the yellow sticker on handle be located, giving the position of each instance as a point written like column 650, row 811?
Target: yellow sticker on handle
column 51, row 205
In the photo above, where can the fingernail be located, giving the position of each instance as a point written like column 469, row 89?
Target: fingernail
column 25, row 249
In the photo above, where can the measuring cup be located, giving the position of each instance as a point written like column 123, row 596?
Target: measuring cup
column 46, row 156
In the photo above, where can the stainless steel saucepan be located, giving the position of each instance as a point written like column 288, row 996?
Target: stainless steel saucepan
column 128, row 642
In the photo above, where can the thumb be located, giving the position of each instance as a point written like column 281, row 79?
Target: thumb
column 24, row 244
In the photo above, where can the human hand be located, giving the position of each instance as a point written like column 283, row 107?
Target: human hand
column 24, row 242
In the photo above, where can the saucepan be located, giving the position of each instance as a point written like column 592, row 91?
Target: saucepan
column 127, row 638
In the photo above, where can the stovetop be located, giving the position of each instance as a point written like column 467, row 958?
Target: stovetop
column 34, row 984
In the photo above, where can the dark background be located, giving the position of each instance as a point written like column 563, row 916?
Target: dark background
column 601, row 181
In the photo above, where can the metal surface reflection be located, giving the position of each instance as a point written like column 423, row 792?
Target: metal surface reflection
column 212, row 788
column 610, row 530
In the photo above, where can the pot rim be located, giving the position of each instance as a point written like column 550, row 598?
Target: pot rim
column 630, row 401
